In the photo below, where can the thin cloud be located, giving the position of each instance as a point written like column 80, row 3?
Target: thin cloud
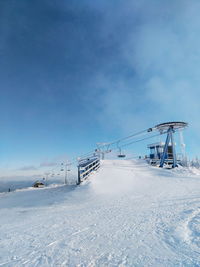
column 48, row 164
column 28, row 168
column 159, row 75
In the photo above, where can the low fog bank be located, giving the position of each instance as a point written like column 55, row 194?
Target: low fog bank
column 13, row 183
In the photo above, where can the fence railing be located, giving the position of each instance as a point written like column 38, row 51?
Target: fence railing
column 86, row 167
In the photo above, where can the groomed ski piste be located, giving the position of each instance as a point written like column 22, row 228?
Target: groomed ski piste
column 126, row 214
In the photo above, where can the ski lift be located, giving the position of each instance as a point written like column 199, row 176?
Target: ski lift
column 120, row 155
column 62, row 167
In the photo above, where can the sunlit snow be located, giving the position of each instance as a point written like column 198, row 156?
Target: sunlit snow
column 126, row 214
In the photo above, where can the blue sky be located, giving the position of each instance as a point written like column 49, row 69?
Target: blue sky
column 74, row 73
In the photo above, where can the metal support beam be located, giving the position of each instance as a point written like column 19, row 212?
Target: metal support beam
column 165, row 148
column 79, row 176
column 165, row 152
column 173, row 149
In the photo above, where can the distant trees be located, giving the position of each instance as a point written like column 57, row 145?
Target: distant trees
column 195, row 163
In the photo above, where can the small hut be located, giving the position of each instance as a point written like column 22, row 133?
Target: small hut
column 38, row 184
column 156, row 153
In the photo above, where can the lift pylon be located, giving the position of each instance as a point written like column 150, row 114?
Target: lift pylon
column 164, row 156
column 170, row 128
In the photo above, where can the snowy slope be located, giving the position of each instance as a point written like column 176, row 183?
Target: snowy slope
column 127, row 214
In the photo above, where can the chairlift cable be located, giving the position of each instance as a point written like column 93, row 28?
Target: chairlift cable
column 136, row 141
column 124, row 138
column 117, row 142
column 140, row 140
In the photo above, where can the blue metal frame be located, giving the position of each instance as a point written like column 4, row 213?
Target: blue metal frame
column 86, row 166
column 165, row 154
column 173, row 149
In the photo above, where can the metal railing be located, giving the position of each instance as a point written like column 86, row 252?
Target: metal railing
column 86, row 167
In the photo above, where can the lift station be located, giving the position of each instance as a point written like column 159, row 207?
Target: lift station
column 165, row 153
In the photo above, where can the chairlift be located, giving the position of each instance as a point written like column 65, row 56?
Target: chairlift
column 120, row 155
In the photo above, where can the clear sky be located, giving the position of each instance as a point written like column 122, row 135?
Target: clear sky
column 73, row 73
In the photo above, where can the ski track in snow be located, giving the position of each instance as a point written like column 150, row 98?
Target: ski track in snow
column 126, row 214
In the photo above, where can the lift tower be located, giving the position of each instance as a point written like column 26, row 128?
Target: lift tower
column 169, row 128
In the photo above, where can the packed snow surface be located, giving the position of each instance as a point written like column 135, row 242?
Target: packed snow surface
column 125, row 214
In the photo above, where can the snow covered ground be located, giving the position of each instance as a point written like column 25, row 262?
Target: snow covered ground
column 126, row 214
